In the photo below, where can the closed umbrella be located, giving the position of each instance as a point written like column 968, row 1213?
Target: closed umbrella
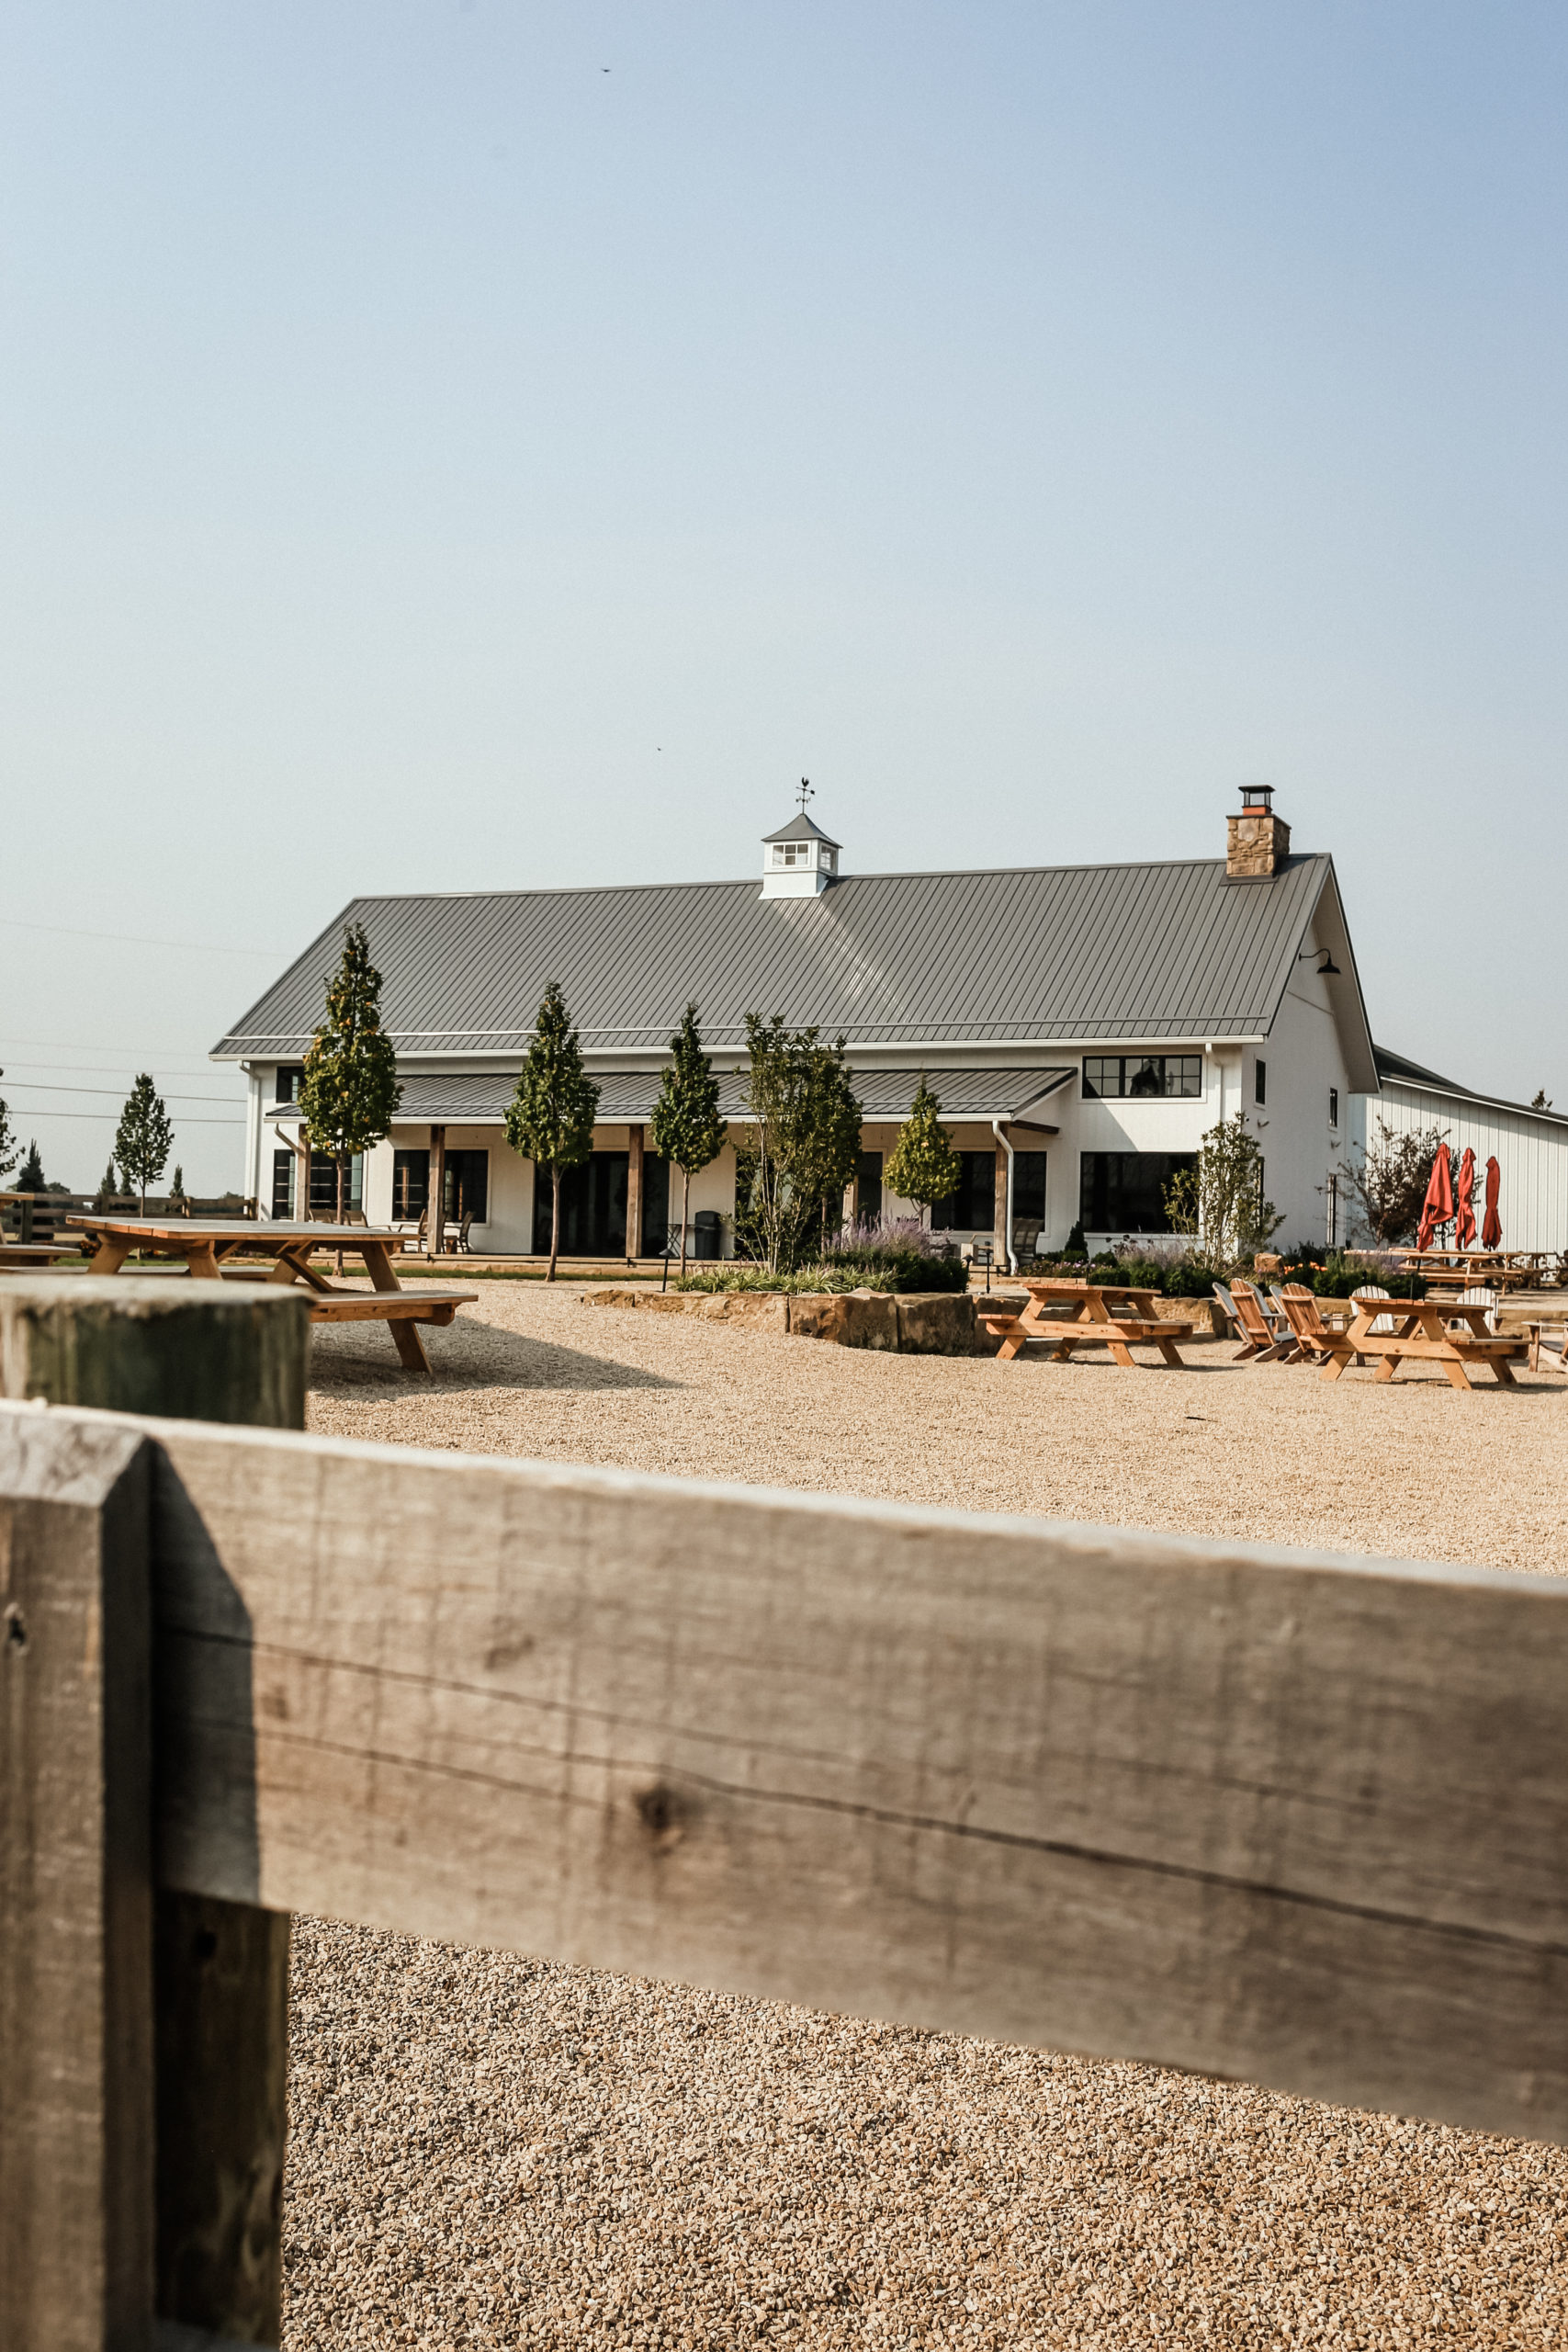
column 1464, row 1202
column 1492, row 1224
column 1439, row 1205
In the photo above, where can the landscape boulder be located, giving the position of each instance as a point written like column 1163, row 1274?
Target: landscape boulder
column 935, row 1323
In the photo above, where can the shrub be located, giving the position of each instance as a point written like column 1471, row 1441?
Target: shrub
column 902, row 1262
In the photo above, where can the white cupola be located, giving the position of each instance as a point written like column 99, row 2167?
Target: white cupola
column 799, row 860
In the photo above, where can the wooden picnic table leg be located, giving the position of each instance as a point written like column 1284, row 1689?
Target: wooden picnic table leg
column 1504, row 1370
column 1457, row 1376
column 1105, row 1328
column 1387, row 1368
column 202, row 1259
column 109, row 1255
column 1171, row 1353
column 405, row 1337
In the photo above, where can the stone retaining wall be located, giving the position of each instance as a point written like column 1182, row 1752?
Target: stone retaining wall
column 930, row 1323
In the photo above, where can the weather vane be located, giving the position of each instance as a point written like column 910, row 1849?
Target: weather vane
column 804, row 794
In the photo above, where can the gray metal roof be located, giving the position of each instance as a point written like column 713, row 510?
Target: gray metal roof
column 479, row 1098
column 802, row 829
column 1395, row 1069
column 1021, row 955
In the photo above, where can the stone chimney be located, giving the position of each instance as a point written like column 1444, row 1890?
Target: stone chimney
column 1257, row 843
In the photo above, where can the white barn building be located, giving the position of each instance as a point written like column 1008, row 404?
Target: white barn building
column 1082, row 1025
column 1531, row 1145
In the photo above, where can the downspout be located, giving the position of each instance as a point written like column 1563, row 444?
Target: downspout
column 1006, row 1229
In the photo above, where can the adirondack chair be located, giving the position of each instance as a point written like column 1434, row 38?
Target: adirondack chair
column 1314, row 1340
column 1260, row 1341
column 1480, row 1294
column 1547, row 1350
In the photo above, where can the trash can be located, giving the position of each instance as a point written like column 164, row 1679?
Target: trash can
column 709, row 1229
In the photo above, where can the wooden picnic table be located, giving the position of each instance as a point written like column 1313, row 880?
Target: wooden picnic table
column 210, row 1247
column 1423, row 1333
column 1501, row 1270
column 1089, row 1321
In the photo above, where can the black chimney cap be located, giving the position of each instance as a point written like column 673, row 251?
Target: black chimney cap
column 1257, row 796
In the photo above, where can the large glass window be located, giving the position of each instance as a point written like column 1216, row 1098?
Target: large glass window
column 282, row 1185
column 973, row 1208
column 869, row 1187
column 323, row 1183
column 1028, row 1186
column 466, row 1186
column 1142, row 1074
column 592, row 1208
column 1124, row 1192
column 410, row 1184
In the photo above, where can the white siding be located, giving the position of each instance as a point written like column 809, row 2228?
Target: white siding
column 1531, row 1154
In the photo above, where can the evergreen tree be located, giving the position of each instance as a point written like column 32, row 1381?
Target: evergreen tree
column 9, row 1148
column 349, row 1095
column 687, row 1129
column 922, row 1165
column 549, row 1119
column 142, row 1138
column 106, row 1188
column 178, row 1188
column 32, row 1179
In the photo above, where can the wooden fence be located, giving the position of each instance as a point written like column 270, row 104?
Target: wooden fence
column 1254, row 1812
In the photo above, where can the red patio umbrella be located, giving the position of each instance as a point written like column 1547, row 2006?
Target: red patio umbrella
column 1492, row 1224
column 1464, row 1202
column 1439, row 1205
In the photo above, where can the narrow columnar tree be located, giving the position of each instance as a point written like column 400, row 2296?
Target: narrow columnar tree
column 806, row 1127
column 551, row 1118
column 108, row 1187
column 922, row 1165
column 10, row 1148
column 144, row 1138
column 1220, row 1198
column 687, row 1129
column 349, row 1095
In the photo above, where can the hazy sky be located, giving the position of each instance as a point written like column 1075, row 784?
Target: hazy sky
column 431, row 461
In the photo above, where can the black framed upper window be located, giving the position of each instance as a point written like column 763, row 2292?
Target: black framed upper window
column 1115, row 1075
column 289, row 1077
column 1260, row 1081
column 1334, row 1106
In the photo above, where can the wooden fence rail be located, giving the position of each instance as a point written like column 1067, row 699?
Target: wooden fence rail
column 1260, row 1812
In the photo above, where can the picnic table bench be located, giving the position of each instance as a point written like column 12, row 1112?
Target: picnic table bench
column 1063, row 1315
column 211, row 1251
column 35, row 1257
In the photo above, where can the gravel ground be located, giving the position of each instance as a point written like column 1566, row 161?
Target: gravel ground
column 490, row 2151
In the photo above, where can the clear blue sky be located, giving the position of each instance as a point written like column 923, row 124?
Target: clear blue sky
column 432, row 461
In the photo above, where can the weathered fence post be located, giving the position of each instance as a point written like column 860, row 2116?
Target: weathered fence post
column 217, row 1353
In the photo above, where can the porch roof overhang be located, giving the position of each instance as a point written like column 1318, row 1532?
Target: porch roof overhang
column 479, row 1098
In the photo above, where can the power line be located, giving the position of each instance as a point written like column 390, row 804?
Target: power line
column 42, row 1086
column 138, row 938
column 107, row 1118
column 104, row 1045
column 103, row 1070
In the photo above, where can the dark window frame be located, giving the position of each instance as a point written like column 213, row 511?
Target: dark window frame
column 1115, row 1077
column 1334, row 1106
column 950, row 1216
column 1260, row 1082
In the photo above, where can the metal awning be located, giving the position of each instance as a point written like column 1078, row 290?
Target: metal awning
column 479, row 1098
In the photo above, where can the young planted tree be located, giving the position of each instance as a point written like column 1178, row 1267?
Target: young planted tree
column 806, row 1121
column 349, row 1095
column 178, row 1186
column 922, row 1165
column 687, row 1129
column 551, row 1118
column 10, row 1148
column 106, row 1188
column 1220, row 1199
column 142, row 1139
column 1388, row 1181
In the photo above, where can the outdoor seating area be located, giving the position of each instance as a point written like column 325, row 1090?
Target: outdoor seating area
column 213, row 1252
column 1288, row 1325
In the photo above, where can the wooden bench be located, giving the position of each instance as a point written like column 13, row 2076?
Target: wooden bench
column 438, row 1306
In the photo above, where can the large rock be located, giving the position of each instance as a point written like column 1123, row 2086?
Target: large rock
column 853, row 1318
column 762, row 1311
column 935, row 1323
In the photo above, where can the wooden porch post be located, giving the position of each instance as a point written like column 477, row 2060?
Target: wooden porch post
column 436, row 1195
column 634, row 1196
column 1004, row 1238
